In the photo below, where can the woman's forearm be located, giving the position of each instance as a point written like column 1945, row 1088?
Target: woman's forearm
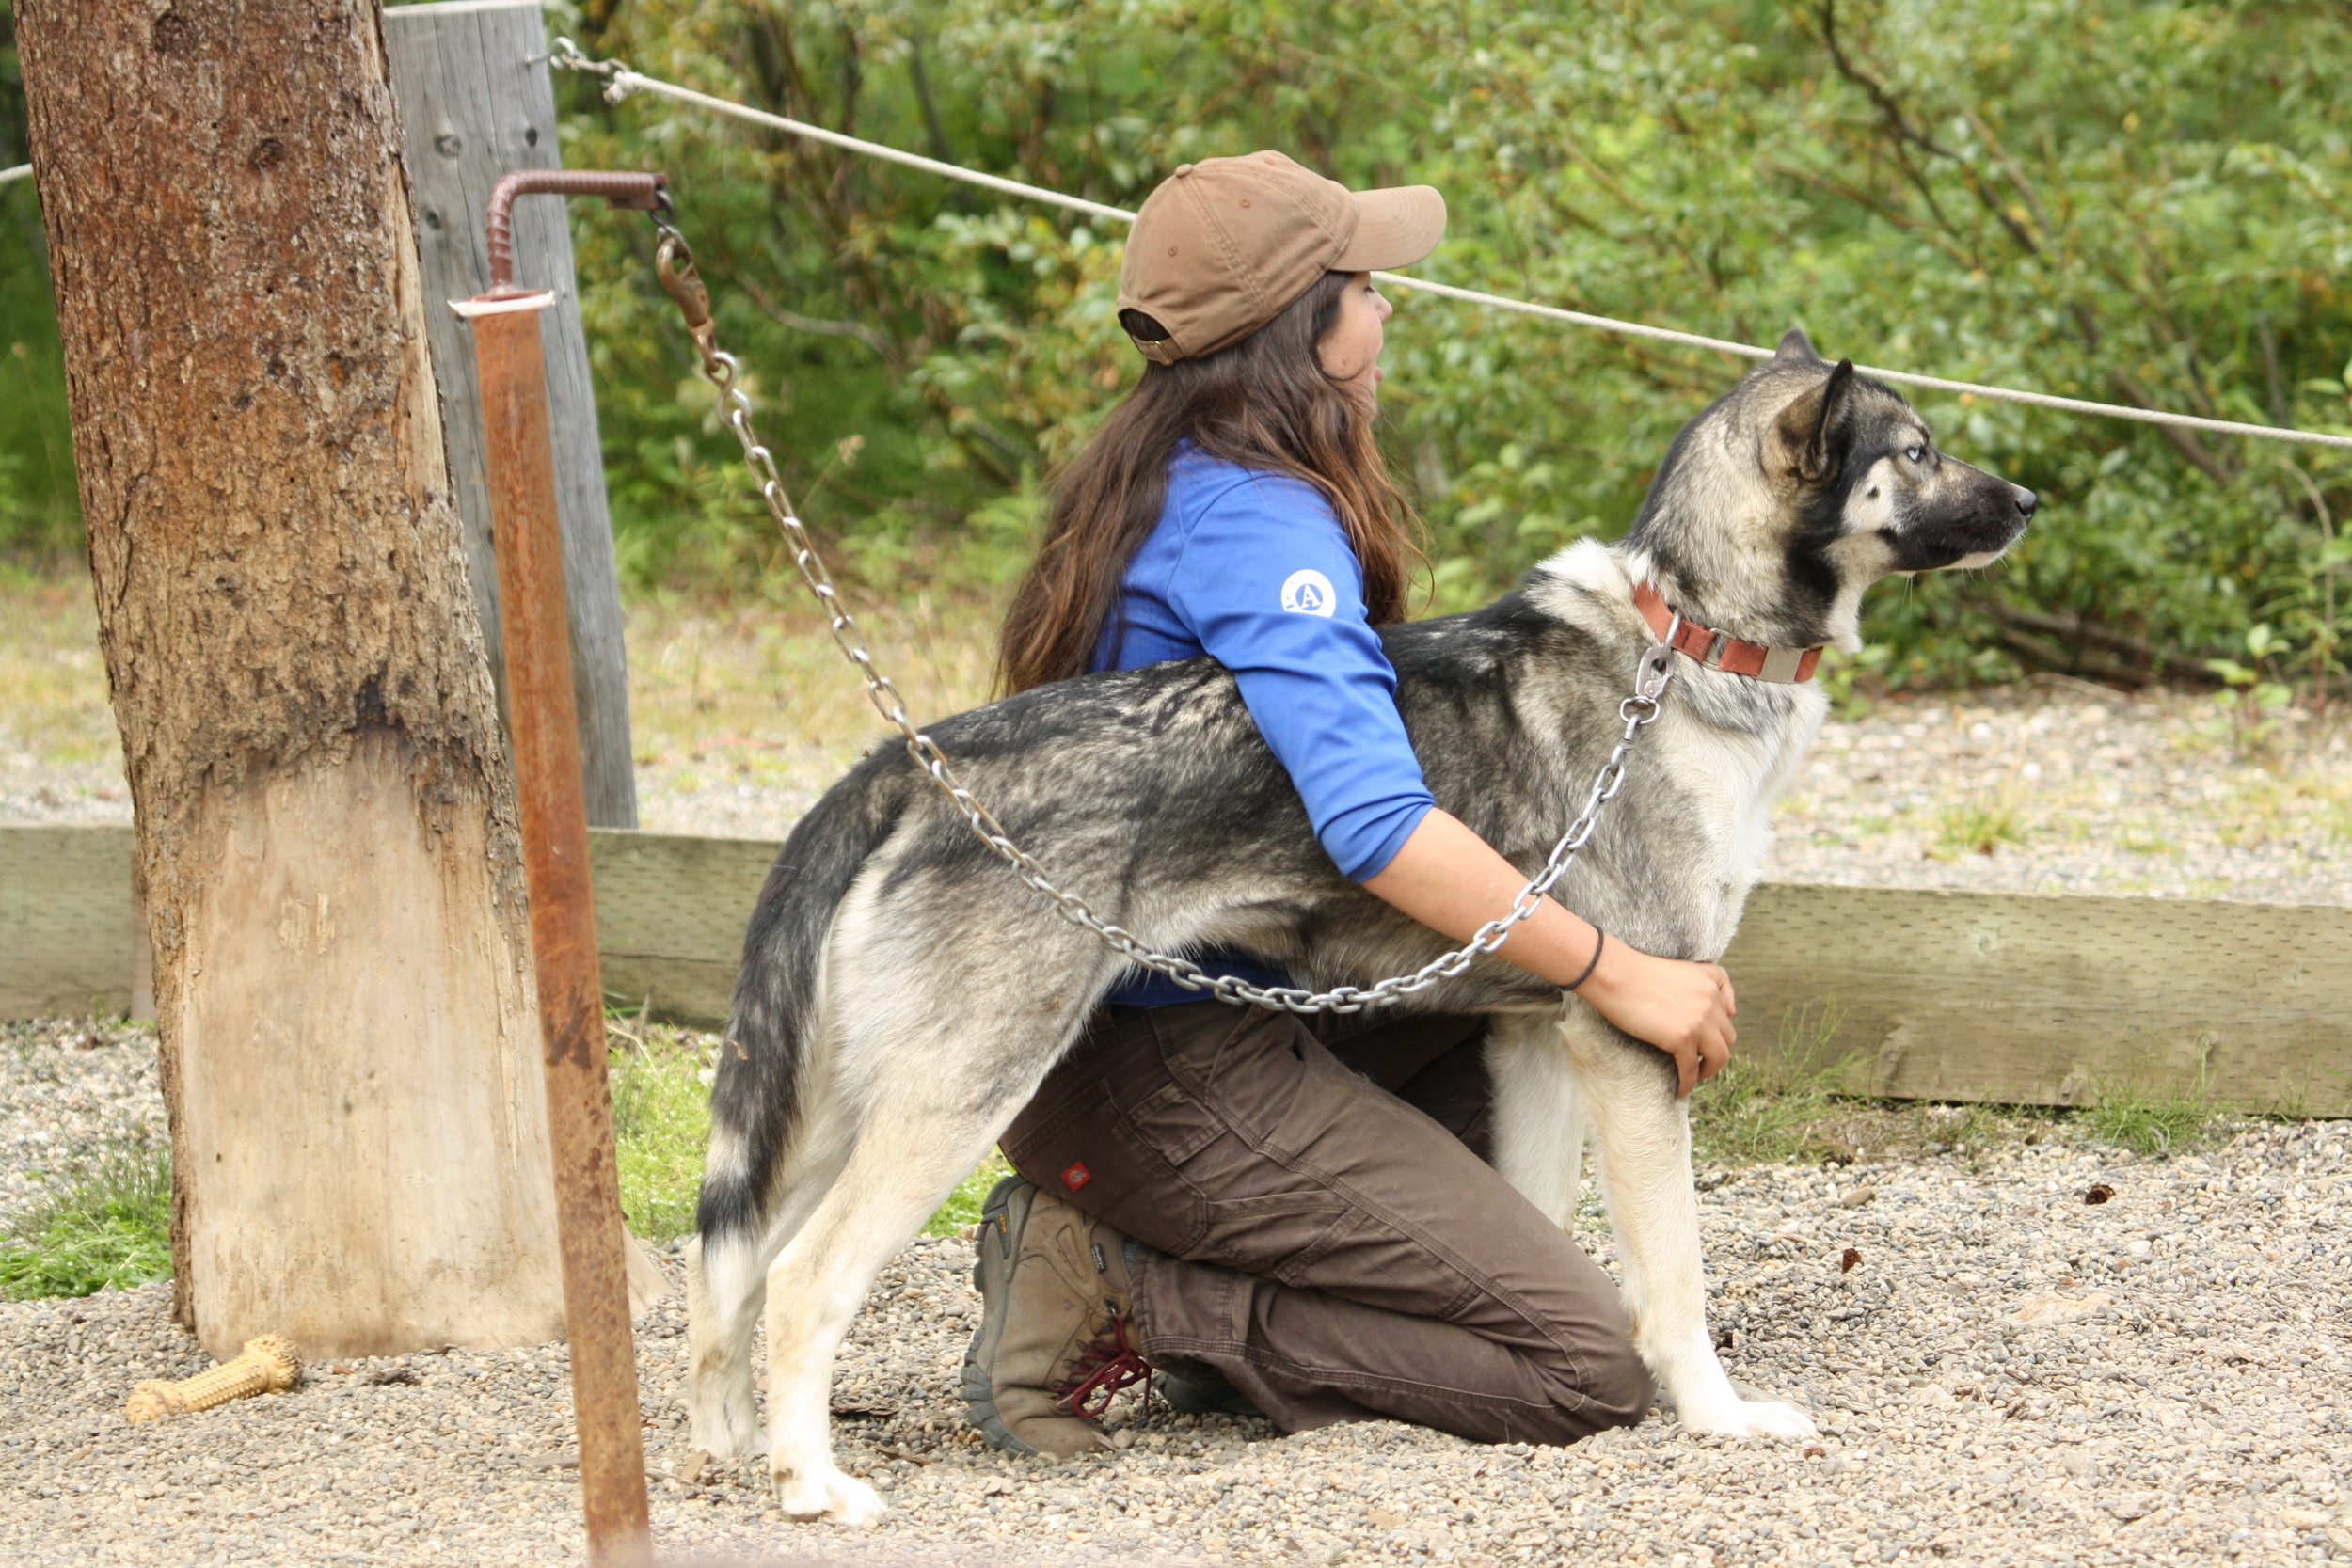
column 1453, row 881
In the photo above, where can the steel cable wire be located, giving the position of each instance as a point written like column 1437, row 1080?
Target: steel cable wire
column 621, row 81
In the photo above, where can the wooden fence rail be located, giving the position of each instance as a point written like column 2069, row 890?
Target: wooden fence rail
column 1960, row 996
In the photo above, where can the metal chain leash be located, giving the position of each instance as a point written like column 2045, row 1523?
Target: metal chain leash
column 673, row 260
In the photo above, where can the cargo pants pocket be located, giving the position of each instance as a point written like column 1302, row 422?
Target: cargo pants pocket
column 1107, row 1159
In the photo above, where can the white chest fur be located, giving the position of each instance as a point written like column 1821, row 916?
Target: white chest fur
column 1732, row 777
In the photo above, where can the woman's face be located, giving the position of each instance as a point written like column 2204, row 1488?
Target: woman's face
column 1351, row 349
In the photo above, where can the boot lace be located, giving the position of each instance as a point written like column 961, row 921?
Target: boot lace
column 1101, row 1370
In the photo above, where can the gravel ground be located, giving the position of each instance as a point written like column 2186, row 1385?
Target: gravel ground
column 2068, row 787
column 67, row 1089
column 2006, row 1373
column 34, row 789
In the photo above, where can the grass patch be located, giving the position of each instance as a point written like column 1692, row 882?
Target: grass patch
column 1798, row 1102
column 105, row 1224
column 1978, row 827
column 963, row 1207
column 53, row 683
column 2139, row 1116
column 2271, row 807
column 662, row 1080
column 1773, row 1105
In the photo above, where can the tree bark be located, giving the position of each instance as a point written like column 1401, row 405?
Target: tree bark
column 325, row 824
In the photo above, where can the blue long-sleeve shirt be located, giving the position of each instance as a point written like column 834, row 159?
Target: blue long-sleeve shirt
column 1254, row 570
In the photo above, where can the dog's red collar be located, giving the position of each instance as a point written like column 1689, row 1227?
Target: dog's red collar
column 1720, row 650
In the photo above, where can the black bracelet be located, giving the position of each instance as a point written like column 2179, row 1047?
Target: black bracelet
column 1600, row 937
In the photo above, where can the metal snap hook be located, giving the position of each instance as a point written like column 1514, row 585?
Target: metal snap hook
column 1654, row 671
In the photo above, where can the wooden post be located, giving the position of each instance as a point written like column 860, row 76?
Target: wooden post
column 325, row 824
column 477, row 101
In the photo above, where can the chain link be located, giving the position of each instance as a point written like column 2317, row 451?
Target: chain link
column 674, row 261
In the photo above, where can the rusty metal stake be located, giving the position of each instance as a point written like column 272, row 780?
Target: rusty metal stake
column 545, row 724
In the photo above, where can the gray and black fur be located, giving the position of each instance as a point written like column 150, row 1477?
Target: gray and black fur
column 902, row 994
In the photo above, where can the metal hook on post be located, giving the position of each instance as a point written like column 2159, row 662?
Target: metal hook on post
column 554, row 817
column 674, row 264
column 625, row 191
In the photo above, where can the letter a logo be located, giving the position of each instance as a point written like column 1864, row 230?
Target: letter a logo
column 1308, row 592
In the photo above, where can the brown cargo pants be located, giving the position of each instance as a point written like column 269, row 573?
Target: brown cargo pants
column 1323, row 1228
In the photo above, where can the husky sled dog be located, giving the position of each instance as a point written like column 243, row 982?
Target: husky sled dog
column 901, row 997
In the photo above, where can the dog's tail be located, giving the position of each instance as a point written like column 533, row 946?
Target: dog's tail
column 764, row 1060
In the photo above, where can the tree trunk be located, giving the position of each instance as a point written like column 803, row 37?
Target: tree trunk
column 325, row 824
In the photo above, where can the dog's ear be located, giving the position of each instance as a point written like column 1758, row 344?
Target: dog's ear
column 1809, row 430
column 1796, row 348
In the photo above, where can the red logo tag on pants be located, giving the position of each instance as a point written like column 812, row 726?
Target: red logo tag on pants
column 1077, row 1176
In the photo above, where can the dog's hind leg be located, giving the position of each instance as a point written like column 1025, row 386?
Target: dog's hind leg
column 725, row 1283
column 1538, row 1118
column 943, row 1081
column 726, row 1276
column 1644, row 1133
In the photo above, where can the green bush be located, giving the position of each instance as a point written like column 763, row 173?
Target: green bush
column 2132, row 202
column 2129, row 202
column 38, row 514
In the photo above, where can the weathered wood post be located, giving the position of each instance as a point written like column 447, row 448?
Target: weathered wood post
column 325, row 823
column 476, row 101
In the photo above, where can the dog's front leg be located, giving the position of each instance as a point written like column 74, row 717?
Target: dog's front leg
column 1540, row 1125
column 1644, row 1133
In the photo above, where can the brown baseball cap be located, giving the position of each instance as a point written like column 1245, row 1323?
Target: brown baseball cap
column 1222, row 246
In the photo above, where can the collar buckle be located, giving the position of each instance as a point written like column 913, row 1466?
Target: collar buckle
column 1711, row 649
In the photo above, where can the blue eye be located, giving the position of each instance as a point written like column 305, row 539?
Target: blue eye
column 1918, row 455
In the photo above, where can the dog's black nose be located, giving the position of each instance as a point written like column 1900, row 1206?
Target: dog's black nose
column 2027, row 501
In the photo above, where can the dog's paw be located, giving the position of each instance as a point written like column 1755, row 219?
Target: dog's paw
column 824, row 1492
column 1740, row 1418
column 726, row 1437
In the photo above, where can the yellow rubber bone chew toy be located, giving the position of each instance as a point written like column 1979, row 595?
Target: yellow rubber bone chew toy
column 268, row 1366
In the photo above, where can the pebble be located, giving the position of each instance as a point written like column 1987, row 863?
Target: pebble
column 2170, row 794
column 68, row 1088
column 2166, row 793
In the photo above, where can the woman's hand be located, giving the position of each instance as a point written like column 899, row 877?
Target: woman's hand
column 1684, row 1009
column 1450, row 879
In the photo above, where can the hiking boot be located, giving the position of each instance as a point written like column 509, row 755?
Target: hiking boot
column 1055, row 1336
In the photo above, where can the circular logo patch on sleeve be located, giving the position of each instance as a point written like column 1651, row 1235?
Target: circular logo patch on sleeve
column 1308, row 592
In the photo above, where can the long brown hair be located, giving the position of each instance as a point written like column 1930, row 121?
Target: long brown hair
column 1265, row 402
